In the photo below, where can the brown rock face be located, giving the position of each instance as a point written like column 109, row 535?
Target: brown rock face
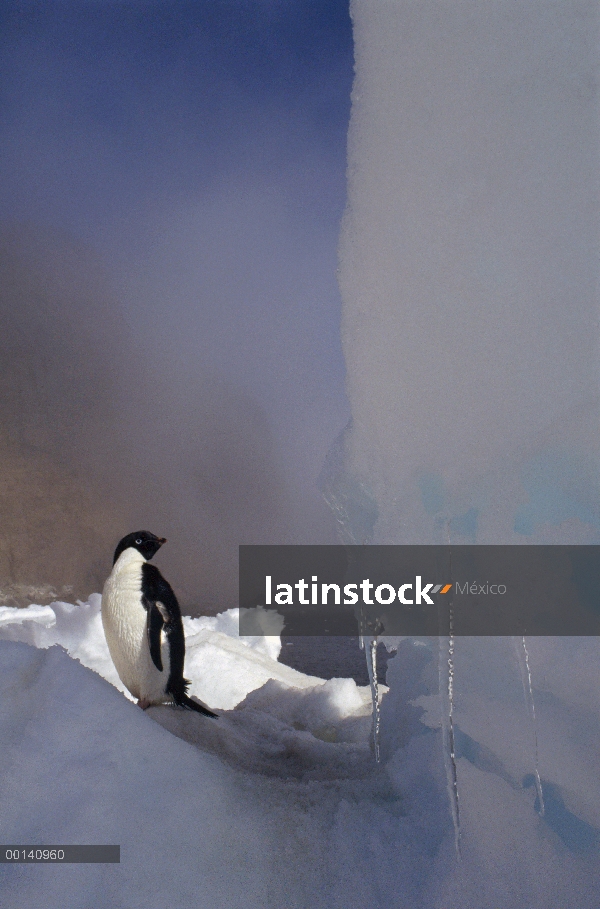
column 57, row 533
column 59, row 356
column 102, row 432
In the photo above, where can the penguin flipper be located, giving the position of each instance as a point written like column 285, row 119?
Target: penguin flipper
column 155, row 626
column 162, row 601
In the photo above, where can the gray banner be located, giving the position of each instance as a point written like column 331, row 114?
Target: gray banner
column 64, row 855
column 419, row 590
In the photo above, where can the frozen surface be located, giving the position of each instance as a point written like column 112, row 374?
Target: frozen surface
column 470, row 334
column 468, row 272
column 280, row 802
column 223, row 667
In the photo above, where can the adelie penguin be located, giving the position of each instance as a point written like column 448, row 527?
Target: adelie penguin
column 143, row 627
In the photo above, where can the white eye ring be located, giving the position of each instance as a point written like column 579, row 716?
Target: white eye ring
column 138, row 542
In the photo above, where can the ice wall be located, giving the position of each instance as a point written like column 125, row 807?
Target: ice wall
column 468, row 274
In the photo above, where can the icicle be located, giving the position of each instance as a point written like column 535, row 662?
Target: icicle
column 371, row 655
column 446, row 683
column 523, row 660
column 446, row 676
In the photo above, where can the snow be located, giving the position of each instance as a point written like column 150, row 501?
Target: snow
column 470, row 334
column 85, row 764
column 223, row 667
column 280, row 801
column 81, row 763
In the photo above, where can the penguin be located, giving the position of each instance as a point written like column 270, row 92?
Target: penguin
column 137, row 606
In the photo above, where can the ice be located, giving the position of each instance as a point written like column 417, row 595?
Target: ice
column 371, row 657
column 87, row 765
column 280, row 802
column 446, row 683
column 83, row 765
column 223, row 666
column 467, row 268
column 523, row 659
column 468, row 274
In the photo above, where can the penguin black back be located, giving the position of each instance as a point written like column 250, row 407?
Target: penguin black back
column 147, row 613
column 164, row 614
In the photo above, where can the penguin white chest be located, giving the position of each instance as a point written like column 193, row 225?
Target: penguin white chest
column 125, row 622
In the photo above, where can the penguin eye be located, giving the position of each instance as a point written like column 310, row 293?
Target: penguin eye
column 138, row 542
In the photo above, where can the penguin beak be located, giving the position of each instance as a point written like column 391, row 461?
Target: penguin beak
column 161, row 540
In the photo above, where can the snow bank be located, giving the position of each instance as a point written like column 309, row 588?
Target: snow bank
column 223, row 667
column 275, row 702
column 279, row 802
column 82, row 764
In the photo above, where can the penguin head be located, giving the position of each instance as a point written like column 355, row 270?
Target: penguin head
column 145, row 542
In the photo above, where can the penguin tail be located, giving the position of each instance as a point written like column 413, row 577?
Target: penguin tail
column 187, row 702
column 182, row 700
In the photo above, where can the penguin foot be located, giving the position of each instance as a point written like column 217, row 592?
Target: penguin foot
column 144, row 704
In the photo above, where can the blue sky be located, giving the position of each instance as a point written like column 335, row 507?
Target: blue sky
column 195, row 153
column 165, row 98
